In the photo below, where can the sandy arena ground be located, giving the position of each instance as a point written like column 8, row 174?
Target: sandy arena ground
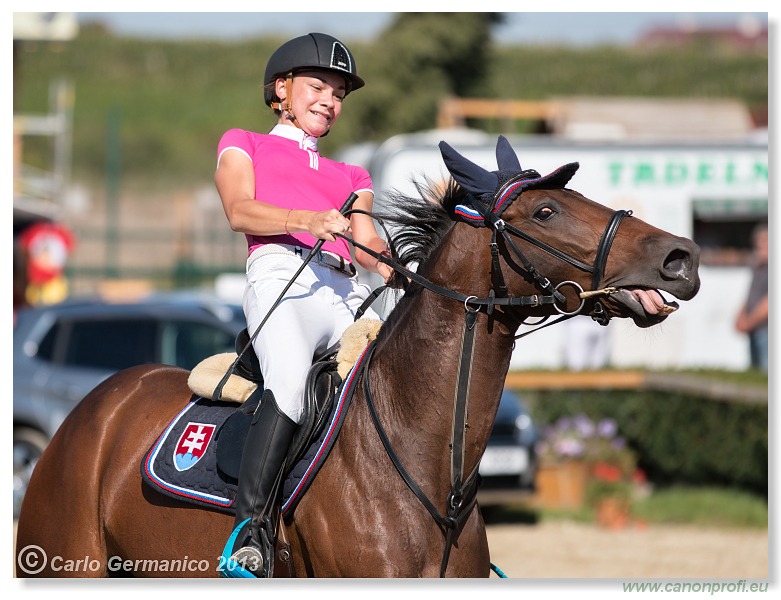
column 563, row 549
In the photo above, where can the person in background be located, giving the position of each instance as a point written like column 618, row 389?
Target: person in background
column 753, row 316
column 588, row 345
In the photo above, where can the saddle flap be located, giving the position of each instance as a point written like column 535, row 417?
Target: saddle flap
column 322, row 384
column 231, row 435
column 248, row 365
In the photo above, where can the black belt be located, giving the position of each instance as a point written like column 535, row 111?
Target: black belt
column 337, row 263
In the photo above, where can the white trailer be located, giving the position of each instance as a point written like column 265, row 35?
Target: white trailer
column 709, row 191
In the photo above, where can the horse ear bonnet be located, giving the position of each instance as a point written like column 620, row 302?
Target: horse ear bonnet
column 495, row 191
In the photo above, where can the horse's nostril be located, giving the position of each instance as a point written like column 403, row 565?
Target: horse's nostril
column 678, row 261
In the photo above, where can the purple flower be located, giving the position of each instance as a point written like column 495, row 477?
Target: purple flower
column 607, row 428
column 569, row 447
column 584, row 426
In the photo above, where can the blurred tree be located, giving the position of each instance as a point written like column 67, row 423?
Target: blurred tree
column 416, row 61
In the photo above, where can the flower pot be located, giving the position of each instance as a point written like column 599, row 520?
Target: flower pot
column 612, row 513
column 561, row 485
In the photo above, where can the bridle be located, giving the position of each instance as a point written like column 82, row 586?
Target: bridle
column 552, row 294
column 498, row 294
column 463, row 490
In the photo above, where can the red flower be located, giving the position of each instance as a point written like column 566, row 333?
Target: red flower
column 607, row 472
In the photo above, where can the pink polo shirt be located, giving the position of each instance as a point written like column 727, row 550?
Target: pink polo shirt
column 289, row 172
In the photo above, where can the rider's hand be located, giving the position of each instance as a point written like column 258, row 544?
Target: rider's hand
column 323, row 225
column 385, row 272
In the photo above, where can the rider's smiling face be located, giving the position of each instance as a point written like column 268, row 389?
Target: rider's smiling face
column 317, row 99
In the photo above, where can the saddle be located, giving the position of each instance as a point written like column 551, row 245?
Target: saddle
column 183, row 463
column 198, row 455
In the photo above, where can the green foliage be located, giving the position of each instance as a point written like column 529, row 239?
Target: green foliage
column 703, row 506
column 538, row 73
column 679, row 505
column 677, row 438
column 598, row 489
column 173, row 100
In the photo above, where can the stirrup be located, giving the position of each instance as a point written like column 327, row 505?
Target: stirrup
column 232, row 564
column 247, row 562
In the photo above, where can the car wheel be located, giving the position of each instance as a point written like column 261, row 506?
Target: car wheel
column 29, row 444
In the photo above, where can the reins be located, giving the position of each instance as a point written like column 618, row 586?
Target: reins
column 463, row 491
column 463, row 494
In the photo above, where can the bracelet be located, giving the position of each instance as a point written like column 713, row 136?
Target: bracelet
column 286, row 218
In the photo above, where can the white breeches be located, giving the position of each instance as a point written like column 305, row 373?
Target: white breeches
column 310, row 320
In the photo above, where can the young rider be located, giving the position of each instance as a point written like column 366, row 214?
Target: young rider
column 284, row 196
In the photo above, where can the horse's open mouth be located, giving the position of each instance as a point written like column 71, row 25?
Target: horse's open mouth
column 646, row 307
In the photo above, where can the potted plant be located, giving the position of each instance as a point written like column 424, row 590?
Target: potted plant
column 591, row 455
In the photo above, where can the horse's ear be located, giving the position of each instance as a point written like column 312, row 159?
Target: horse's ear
column 471, row 177
column 506, row 159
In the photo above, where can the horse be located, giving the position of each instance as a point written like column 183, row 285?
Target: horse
column 396, row 496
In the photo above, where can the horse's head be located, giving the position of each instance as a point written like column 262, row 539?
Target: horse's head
column 614, row 265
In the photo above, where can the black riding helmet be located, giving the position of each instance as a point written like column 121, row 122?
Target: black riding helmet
column 311, row 51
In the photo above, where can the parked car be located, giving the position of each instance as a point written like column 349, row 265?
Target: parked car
column 509, row 465
column 62, row 351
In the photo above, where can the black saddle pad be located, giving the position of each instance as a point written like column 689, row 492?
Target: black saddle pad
column 182, row 463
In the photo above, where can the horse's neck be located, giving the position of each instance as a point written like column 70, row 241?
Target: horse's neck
column 417, row 362
column 424, row 352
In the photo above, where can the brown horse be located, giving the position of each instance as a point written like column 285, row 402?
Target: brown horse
column 394, row 500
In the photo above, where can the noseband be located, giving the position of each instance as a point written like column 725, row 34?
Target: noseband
column 598, row 313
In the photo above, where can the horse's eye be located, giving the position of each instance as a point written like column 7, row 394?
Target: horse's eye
column 544, row 213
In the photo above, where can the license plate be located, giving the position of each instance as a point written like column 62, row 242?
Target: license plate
column 504, row 460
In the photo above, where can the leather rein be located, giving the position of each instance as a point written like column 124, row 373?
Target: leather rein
column 463, row 490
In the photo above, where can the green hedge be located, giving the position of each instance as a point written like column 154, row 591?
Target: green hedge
column 679, row 439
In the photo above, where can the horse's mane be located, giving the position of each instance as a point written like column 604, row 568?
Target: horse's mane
column 418, row 224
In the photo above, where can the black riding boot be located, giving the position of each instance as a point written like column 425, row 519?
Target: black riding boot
column 265, row 449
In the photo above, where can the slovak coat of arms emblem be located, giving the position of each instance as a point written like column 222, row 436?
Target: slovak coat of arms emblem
column 192, row 445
